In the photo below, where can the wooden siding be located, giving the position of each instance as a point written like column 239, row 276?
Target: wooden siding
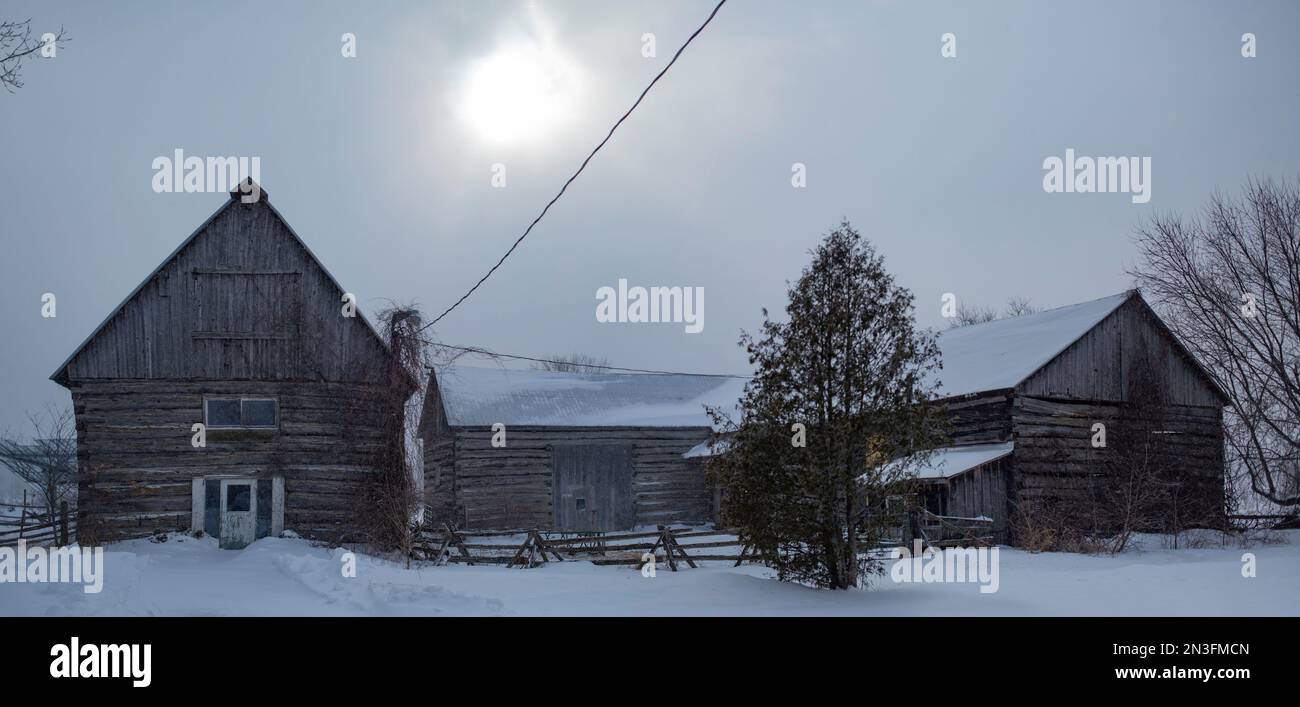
column 982, row 491
column 1100, row 364
column 1054, row 456
column 242, row 300
column 592, row 487
column 512, row 486
column 980, row 419
column 137, row 463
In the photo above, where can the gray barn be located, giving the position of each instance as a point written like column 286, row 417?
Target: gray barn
column 575, row 451
column 1024, row 394
column 241, row 329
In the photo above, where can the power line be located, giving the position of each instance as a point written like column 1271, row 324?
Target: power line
column 475, row 349
column 580, row 168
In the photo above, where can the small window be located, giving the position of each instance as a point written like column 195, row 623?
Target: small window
column 238, row 497
column 222, row 413
column 241, row 412
column 259, row 413
column 582, row 503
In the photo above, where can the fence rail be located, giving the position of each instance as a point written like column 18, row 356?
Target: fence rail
column 35, row 525
column 449, row 545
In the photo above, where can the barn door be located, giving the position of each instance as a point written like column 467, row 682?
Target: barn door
column 592, row 487
column 238, row 513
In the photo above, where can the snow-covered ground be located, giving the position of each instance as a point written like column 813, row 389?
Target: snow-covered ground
column 275, row 576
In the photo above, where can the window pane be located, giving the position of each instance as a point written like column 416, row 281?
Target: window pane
column 237, row 497
column 223, row 413
column 259, row 413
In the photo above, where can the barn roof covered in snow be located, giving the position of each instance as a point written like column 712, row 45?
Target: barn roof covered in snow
column 1001, row 354
column 485, row 396
column 947, row 462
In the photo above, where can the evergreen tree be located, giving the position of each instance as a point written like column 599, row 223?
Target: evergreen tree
column 849, row 366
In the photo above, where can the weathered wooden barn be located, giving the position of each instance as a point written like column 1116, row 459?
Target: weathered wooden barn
column 1025, row 395
column 575, row 451
column 243, row 330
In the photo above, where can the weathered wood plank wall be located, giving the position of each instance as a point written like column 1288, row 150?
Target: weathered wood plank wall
column 1101, row 364
column 1055, row 457
column 980, row 419
column 241, row 309
column 137, row 461
column 243, row 300
column 983, row 491
column 511, row 487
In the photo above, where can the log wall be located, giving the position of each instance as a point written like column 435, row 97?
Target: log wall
column 511, row 486
column 1054, row 455
column 980, row 419
column 137, row 462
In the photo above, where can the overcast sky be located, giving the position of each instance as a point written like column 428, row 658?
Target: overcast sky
column 383, row 162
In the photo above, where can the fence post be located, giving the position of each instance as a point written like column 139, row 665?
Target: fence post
column 22, row 516
column 63, row 522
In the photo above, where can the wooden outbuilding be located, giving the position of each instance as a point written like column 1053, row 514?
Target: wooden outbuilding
column 1040, row 403
column 231, row 392
column 507, row 449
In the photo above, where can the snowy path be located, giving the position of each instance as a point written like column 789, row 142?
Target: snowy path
column 187, row 576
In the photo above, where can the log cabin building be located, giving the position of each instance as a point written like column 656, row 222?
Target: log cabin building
column 576, row 451
column 241, row 329
column 1025, row 396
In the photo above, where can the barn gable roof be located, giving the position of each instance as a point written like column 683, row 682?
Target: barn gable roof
column 1003, row 354
column 473, row 396
column 60, row 374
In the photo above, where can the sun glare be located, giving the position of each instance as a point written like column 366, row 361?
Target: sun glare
column 520, row 94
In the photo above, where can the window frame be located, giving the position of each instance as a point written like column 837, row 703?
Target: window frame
column 275, row 401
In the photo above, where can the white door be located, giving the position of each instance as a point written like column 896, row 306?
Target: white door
column 238, row 512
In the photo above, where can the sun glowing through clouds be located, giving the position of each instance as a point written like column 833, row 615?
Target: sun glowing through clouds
column 520, row 94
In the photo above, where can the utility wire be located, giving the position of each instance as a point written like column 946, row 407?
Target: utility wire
column 580, row 168
column 475, row 349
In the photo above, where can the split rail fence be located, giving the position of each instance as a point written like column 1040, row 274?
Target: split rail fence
column 667, row 545
column 34, row 524
column 631, row 548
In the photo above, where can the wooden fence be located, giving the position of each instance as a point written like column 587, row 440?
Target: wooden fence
column 952, row 531
column 667, row 545
column 631, row 548
column 34, row 525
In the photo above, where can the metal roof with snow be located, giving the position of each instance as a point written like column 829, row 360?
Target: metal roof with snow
column 947, row 462
column 474, row 396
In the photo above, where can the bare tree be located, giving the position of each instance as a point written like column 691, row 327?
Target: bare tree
column 573, row 363
column 48, row 461
column 1228, row 284
column 393, row 495
column 1134, row 491
column 16, row 44
column 967, row 315
column 1017, row 306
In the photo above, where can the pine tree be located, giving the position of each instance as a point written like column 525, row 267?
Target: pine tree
column 849, row 366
